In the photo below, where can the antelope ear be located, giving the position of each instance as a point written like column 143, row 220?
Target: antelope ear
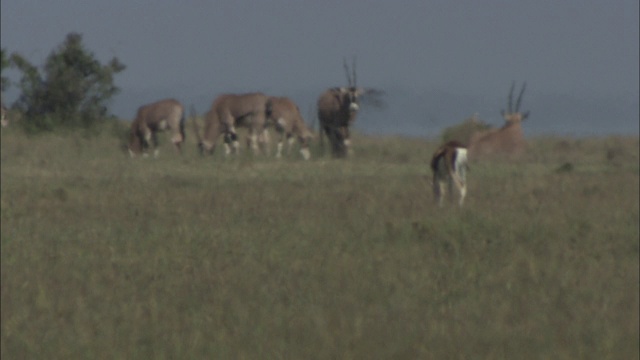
column 525, row 115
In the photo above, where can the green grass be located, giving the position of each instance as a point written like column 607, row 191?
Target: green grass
column 190, row 257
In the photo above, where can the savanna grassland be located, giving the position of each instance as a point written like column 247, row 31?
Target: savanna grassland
column 251, row 258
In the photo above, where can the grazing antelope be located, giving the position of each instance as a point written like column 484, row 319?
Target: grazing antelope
column 229, row 111
column 153, row 118
column 288, row 122
column 507, row 140
column 449, row 166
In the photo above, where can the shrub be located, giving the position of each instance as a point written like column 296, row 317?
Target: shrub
column 463, row 132
column 72, row 92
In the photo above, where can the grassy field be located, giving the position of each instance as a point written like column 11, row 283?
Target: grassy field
column 251, row 258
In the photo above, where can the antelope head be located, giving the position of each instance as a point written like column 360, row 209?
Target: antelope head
column 513, row 115
column 350, row 94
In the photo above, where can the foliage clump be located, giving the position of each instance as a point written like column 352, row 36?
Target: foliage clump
column 71, row 92
column 463, row 132
column 4, row 63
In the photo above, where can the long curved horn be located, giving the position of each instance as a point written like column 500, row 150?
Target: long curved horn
column 353, row 69
column 346, row 70
column 510, row 100
column 520, row 97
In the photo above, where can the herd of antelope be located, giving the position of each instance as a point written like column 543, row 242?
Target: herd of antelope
column 336, row 110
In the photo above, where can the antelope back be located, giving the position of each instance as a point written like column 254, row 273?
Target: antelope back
column 508, row 140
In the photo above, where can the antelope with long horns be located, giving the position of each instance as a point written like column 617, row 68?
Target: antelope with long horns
column 288, row 122
column 227, row 113
column 509, row 139
column 152, row 118
column 337, row 110
column 449, row 166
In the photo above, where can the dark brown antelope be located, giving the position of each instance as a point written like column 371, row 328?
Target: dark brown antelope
column 230, row 111
column 449, row 166
column 288, row 122
column 338, row 107
column 337, row 110
column 152, row 118
column 509, row 139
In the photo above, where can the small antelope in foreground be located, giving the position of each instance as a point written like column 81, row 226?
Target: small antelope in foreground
column 449, row 166
column 153, row 118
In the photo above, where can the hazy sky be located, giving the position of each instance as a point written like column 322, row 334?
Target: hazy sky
column 577, row 50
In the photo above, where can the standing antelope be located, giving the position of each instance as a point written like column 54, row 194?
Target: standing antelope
column 337, row 110
column 288, row 122
column 229, row 111
column 507, row 140
column 152, row 118
column 449, row 166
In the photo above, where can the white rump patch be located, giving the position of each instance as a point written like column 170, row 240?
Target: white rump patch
column 460, row 173
column 461, row 161
column 443, row 182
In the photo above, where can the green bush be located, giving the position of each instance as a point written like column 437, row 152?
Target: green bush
column 463, row 132
column 72, row 92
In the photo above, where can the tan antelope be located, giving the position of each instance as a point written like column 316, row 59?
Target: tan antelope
column 449, row 166
column 288, row 122
column 507, row 140
column 152, row 118
column 229, row 111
